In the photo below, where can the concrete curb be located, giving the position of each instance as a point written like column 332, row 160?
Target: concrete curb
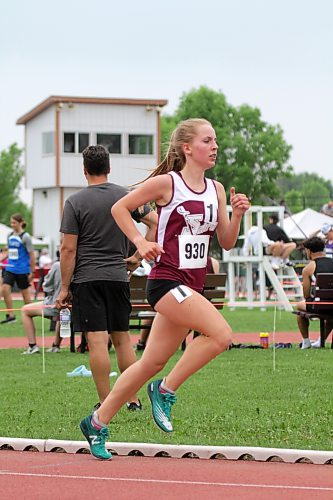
column 174, row 451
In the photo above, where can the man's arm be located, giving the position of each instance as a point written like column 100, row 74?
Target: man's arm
column 32, row 265
column 307, row 274
column 150, row 220
column 67, row 266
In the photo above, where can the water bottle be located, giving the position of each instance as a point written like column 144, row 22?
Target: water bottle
column 264, row 339
column 65, row 323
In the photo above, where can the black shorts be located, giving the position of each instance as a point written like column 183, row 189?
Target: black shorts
column 315, row 308
column 156, row 289
column 21, row 280
column 101, row 306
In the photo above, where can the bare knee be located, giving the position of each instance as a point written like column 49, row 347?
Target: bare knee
column 151, row 367
column 119, row 340
column 223, row 340
column 97, row 340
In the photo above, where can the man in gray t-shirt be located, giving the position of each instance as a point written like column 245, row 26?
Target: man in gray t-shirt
column 94, row 269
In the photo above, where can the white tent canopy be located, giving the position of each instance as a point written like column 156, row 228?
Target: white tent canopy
column 5, row 230
column 308, row 220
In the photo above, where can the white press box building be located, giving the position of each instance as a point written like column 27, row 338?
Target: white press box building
column 59, row 128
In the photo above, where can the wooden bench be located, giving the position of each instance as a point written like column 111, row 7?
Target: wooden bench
column 214, row 291
column 324, row 307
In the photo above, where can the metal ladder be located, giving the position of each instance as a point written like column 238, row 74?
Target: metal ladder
column 285, row 282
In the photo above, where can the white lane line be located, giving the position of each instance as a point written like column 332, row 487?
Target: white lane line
column 166, row 481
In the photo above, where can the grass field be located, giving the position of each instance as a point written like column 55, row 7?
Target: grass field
column 237, row 400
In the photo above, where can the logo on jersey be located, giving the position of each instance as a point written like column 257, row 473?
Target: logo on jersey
column 194, row 223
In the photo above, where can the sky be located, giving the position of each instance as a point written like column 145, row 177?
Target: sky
column 274, row 55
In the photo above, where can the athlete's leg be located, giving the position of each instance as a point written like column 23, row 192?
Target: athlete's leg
column 164, row 339
column 27, row 313
column 303, row 323
column 26, row 295
column 122, row 344
column 198, row 314
column 7, row 297
column 99, row 360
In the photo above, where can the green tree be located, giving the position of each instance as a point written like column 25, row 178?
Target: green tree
column 308, row 189
column 11, row 173
column 295, row 200
column 252, row 153
column 314, row 193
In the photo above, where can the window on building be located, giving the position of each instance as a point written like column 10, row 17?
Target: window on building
column 83, row 142
column 140, row 144
column 69, row 142
column 112, row 142
column 75, row 142
column 48, row 143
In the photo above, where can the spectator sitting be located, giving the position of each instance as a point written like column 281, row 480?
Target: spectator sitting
column 277, row 249
column 51, row 286
column 44, row 264
column 327, row 231
column 276, row 234
column 319, row 263
column 327, row 209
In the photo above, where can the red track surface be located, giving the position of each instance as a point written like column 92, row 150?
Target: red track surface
column 39, row 476
column 238, row 338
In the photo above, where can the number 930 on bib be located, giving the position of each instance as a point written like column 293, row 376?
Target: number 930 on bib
column 193, row 251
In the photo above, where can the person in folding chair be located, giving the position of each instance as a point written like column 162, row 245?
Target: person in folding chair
column 51, row 287
column 319, row 263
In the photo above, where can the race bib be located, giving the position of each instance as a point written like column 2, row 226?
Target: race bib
column 13, row 253
column 193, row 251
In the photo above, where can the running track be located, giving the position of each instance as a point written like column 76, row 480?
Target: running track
column 40, row 476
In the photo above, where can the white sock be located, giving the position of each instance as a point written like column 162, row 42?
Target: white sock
column 165, row 388
column 96, row 422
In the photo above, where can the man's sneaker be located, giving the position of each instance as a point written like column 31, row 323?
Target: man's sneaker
column 134, row 406
column 32, row 350
column 140, row 346
column 96, row 439
column 161, row 405
column 54, row 348
column 306, row 344
column 9, row 319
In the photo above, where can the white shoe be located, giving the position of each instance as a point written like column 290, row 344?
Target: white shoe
column 54, row 348
column 315, row 344
column 275, row 263
column 31, row 350
column 306, row 344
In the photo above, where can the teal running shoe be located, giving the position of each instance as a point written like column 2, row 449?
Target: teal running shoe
column 161, row 405
column 96, row 439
